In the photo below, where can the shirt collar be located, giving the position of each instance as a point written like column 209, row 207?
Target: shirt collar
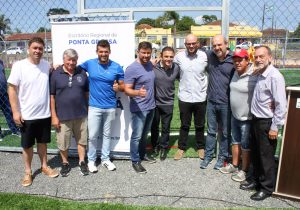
column 267, row 71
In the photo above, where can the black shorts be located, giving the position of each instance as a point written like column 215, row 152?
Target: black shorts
column 39, row 130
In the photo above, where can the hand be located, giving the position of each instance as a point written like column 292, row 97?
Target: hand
column 116, row 86
column 142, row 91
column 272, row 105
column 273, row 134
column 18, row 119
column 155, row 61
column 55, row 122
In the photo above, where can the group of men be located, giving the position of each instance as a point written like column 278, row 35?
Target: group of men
column 247, row 99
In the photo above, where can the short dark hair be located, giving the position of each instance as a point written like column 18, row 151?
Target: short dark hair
column 266, row 47
column 167, row 48
column 145, row 45
column 37, row 40
column 103, row 43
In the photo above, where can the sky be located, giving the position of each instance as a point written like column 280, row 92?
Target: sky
column 29, row 15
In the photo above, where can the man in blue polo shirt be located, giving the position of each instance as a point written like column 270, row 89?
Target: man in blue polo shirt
column 106, row 77
column 68, row 101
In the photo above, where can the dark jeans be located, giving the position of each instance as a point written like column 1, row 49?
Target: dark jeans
column 5, row 107
column 187, row 110
column 163, row 113
column 262, row 155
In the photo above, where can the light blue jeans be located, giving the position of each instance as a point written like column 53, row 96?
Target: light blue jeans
column 99, row 127
column 141, row 125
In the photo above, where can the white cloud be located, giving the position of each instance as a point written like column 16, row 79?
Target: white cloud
column 198, row 19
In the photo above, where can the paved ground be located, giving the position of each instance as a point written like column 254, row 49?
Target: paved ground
column 169, row 183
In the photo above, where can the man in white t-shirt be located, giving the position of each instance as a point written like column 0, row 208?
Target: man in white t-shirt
column 28, row 90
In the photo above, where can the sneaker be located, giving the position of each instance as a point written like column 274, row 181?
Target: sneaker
column 201, row 153
column 163, row 154
column 228, row 169
column 156, row 151
column 27, row 180
column 83, row 168
column 139, row 168
column 239, row 177
column 109, row 165
column 92, row 167
column 205, row 163
column 65, row 169
column 219, row 164
column 179, row 154
column 18, row 134
column 149, row 159
column 50, row 172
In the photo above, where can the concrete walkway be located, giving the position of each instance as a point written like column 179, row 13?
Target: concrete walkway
column 169, row 183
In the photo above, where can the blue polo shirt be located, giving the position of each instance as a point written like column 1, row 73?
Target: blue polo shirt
column 219, row 77
column 101, row 79
column 70, row 93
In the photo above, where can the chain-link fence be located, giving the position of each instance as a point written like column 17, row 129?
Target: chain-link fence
column 247, row 23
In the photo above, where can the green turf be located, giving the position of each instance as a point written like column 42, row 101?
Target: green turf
column 34, row 202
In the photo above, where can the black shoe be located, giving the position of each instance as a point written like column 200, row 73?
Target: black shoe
column 259, row 196
column 163, row 154
column 65, row 169
column 139, row 168
column 83, row 168
column 149, row 159
column 248, row 185
column 156, row 151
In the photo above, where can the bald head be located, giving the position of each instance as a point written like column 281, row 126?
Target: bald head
column 191, row 44
column 220, row 45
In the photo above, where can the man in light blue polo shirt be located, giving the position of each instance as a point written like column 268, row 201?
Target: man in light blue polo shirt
column 106, row 77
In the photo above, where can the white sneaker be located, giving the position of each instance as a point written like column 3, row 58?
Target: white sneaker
column 109, row 165
column 92, row 167
column 239, row 177
column 228, row 169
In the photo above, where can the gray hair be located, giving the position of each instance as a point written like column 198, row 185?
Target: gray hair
column 71, row 53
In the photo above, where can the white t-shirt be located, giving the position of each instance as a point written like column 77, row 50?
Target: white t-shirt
column 32, row 83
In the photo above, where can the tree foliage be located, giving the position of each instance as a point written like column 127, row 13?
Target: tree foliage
column 185, row 23
column 148, row 21
column 57, row 11
column 4, row 25
column 43, row 29
column 209, row 18
column 296, row 33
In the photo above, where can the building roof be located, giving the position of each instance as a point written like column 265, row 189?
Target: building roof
column 17, row 37
column 144, row 26
column 218, row 23
column 274, row 32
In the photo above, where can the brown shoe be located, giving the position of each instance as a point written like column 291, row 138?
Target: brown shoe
column 27, row 180
column 179, row 154
column 201, row 153
column 50, row 172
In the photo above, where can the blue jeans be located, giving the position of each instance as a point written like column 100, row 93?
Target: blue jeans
column 99, row 127
column 141, row 125
column 241, row 133
column 218, row 118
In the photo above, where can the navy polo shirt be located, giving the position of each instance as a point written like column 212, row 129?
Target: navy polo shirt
column 219, row 77
column 70, row 93
column 3, row 83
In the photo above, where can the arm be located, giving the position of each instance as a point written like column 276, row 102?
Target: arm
column 13, row 99
column 54, row 119
column 118, row 86
column 128, row 88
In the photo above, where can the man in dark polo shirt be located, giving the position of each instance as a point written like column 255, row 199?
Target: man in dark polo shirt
column 166, row 72
column 69, row 95
column 220, row 71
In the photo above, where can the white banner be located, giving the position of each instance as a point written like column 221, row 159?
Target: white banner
column 83, row 37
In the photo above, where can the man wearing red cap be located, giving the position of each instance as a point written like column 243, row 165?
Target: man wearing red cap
column 241, row 92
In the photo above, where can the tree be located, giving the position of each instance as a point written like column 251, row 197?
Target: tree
column 42, row 29
column 4, row 25
column 148, row 21
column 296, row 33
column 174, row 17
column 184, row 24
column 209, row 18
column 57, row 11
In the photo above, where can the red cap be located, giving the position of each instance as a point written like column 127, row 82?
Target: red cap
column 242, row 53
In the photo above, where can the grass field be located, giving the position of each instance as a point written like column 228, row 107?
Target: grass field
column 292, row 78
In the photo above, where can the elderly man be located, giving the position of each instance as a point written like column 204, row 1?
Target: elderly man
column 69, row 96
column 139, row 85
column 106, row 77
column 192, row 94
column 166, row 72
column 241, row 92
column 220, row 70
column 29, row 98
column 269, row 89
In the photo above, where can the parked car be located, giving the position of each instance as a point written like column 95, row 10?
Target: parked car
column 244, row 45
column 13, row 51
column 48, row 49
